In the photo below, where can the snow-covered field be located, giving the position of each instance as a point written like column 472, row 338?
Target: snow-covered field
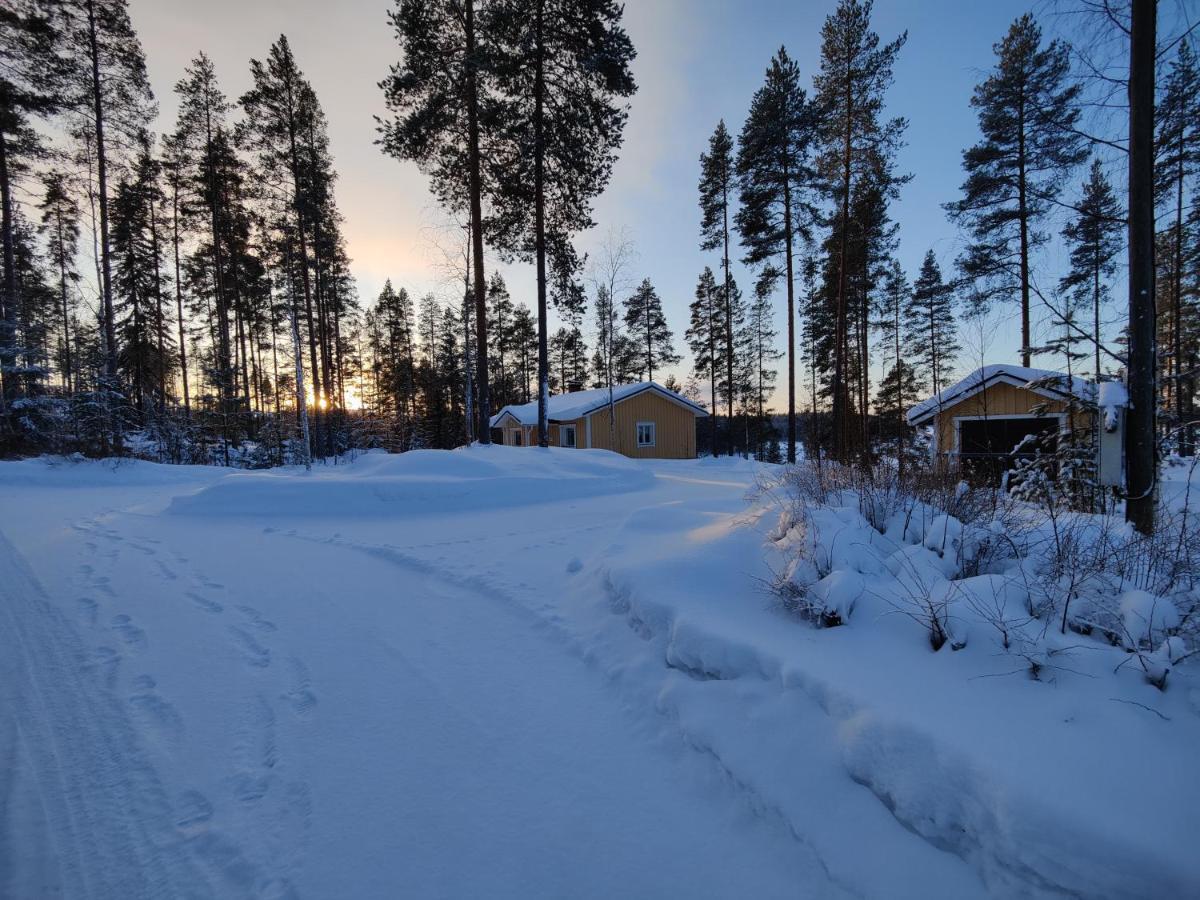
column 504, row 672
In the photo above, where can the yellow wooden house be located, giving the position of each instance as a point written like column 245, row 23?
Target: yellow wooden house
column 642, row 420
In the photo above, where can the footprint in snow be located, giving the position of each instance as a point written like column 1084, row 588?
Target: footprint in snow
column 255, row 619
column 87, row 608
column 134, row 637
column 300, row 696
column 204, row 603
column 248, row 645
column 156, row 715
column 192, row 812
column 105, row 662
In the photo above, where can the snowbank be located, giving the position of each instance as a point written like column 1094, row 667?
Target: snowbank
column 1083, row 783
column 422, row 482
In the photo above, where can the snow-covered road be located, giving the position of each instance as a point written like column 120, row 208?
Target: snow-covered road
column 366, row 706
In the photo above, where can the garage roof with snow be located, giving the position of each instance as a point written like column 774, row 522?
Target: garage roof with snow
column 1050, row 384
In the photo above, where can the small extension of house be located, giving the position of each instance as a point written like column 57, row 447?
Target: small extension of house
column 646, row 421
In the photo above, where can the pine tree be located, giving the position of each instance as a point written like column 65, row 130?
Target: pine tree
column 284, row 128
column 774, row 183
column 115, row 100
column 438, row 95
column 647, row 328
column 930, row 334
column 1027, row 115
column 199, row 156
column 562, row 67
column 1094, row 237
column 856, row 147
column 717, row 174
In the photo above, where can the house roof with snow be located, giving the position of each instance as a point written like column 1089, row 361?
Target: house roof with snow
column 577, row 404
column 1046, row 382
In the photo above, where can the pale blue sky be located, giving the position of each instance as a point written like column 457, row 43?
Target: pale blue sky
column 698, row 61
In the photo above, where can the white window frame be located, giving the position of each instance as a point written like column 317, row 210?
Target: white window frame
column 562, row 436
column 637, row 434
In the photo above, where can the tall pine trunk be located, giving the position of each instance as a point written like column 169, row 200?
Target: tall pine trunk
column 539, row 174
column 109, row 325
column 841, row 387
column 8, row 296
column 729, row 303
column 187, row 401
column 475, row 186
column 791, row 307
column 1023, row 219
column 68, row 369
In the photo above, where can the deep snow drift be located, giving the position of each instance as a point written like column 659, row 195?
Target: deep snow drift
column 514, row 672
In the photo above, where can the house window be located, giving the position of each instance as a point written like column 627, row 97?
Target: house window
column 645, row 434
column 566, row 436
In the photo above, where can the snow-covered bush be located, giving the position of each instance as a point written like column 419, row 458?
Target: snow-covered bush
column 1027, row 568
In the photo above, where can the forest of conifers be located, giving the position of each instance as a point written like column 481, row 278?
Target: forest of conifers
column 183, row 291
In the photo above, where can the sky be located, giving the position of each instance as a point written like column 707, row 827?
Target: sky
column 698, row 61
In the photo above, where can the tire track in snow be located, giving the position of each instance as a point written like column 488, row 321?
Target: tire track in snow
column 106, row 809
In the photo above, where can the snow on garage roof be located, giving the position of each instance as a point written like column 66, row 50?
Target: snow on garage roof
column 1046, row 382
column 575, row 405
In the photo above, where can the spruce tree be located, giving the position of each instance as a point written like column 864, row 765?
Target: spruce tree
column 1028, row 109
column 704, row 338
column 500, row 337
column 138, row 283
column 562, row 67
column 524, row 338
column 760, row 337
column 647, row 329
column 930, row 333
column 774, row 186
column 1094, row 238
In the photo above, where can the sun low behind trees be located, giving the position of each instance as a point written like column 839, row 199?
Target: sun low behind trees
column 189, row 293
column 179, row 280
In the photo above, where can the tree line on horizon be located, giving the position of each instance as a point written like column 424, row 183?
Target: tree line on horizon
column 224, row 313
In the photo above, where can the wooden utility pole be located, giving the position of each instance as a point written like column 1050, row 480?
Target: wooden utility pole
column 1141, row 463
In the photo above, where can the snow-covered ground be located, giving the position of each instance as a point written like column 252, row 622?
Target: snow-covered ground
column 507, row 672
